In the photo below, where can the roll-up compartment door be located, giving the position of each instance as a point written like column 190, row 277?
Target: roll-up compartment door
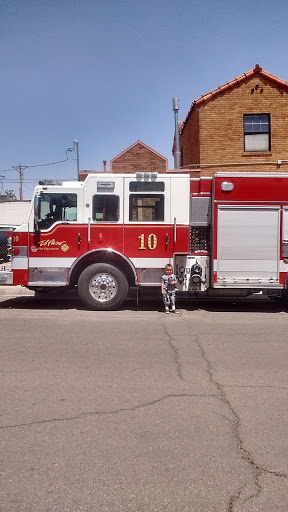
column 285, row 233
column 248, row 244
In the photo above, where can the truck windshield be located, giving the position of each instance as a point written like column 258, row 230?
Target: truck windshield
column 53, row 207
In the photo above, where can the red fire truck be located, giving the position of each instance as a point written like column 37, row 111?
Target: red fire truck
column 225, row 236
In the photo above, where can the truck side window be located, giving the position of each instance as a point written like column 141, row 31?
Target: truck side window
column 146, row 208
column 55, row 207
column 105, row 208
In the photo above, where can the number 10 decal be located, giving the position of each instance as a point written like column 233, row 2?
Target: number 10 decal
column 151, row 242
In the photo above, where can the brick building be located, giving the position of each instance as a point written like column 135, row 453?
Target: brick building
column 139, row 157
column 240, row 126
column 136, row 158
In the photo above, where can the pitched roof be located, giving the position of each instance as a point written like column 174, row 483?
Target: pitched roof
column 138, row 142
column 257, row 71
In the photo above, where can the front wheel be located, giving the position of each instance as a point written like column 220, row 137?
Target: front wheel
column 102, row 287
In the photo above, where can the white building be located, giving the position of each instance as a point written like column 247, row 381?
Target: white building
column 14, row 213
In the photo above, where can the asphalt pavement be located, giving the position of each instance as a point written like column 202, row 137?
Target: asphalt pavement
column 137, row 411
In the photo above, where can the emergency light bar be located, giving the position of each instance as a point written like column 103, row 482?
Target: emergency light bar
column 50, row 182
column 146, row 176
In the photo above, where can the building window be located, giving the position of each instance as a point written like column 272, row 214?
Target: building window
column 105, row 208
column 257, row 132
column 146, row 208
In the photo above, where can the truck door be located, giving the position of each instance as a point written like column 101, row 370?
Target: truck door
column 54, row 234
column 103, row 213
column 152, row 209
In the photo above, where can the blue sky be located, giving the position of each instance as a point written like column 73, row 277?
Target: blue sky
column 104, row 72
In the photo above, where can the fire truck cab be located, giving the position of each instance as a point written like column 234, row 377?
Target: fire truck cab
column 224, row 235
column 103, row 235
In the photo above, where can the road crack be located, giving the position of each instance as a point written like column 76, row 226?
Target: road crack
column 175, row 352
column 256, row 386
column 107, row 413
column 236, row 425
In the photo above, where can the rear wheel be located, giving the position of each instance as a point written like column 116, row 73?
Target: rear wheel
column 102, row 287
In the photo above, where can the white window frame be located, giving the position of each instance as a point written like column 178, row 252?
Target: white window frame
column 257, row 132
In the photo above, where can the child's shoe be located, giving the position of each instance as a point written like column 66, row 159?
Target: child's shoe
column 167, row 310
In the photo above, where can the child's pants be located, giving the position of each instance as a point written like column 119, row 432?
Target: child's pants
column 169, row 298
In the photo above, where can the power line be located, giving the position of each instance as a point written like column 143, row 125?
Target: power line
column 20, row 168
column 69, row 150
column 29, row 188
column 52, row 163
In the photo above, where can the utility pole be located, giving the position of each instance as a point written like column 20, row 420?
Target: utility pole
column 1, row 182
column 76, row 144
column 20, row 168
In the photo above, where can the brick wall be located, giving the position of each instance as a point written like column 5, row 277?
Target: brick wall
column 190, row 142
column 138, row 158
column 214, row 131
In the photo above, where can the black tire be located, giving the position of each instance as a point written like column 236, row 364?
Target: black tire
column 102, row 287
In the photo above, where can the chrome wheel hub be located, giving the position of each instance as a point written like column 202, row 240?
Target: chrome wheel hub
column 103, row 287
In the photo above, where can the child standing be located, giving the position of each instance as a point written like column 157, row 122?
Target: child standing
column 168, row 288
